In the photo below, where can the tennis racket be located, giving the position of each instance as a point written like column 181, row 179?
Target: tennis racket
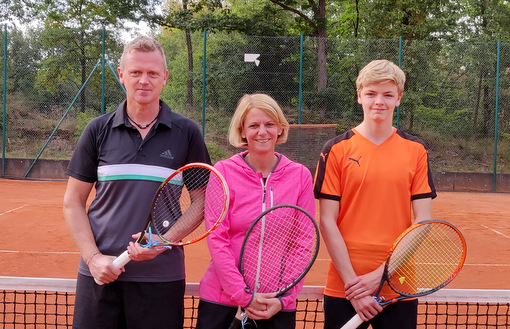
column 424, row 258
column 177, row 212
column 278, row 250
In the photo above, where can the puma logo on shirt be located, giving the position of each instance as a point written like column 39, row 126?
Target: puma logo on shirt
column 356, row 160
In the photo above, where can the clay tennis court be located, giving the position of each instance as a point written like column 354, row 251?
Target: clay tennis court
column 36, row 242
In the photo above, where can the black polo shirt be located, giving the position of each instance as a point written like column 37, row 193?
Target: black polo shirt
column 127, row 170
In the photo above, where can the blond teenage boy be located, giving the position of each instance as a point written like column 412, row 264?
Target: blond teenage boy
column 368, row 180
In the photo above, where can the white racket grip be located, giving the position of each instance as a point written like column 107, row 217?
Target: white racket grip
column 122, row 260
column 353, row 323
column 118, row 262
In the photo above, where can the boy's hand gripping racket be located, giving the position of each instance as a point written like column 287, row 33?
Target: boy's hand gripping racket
column 279, row 248
column 177, row 212
column 424, row 258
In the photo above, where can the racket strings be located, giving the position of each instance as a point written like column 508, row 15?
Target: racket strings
column 426, row 259
column 179, row 210
column 278, row 249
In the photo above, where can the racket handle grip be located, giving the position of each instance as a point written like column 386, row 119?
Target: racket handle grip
column 122, row 260
column 353, row 323
column 118, row 262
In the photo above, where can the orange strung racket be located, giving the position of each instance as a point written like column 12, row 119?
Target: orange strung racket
column 424, row 258
column 177, row 211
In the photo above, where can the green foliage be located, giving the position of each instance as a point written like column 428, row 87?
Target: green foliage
column 504, row 154
column 450, row 90
column 174, row 44
column 82, row 119
column 456, row 123
column 216, row 152
column 199, row 15
column 410, row 19
column 506, row 137
column 21, row 77
column 343, row 19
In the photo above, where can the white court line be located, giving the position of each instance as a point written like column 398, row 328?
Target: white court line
column 9, row 211
column 465, row 264
column 488, row 265
column 496, row 231
column 40, row 252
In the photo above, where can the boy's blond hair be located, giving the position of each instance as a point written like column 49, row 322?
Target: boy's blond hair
column 381, row 70
column 145, row 44
column 263, row 102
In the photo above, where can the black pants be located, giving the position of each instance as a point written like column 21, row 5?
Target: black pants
column 215, row 316
column 402, row 315
column 128, row 305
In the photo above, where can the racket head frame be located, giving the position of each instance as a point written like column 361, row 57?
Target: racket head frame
column 225, row 202
column 313, row 257
column 386, row 275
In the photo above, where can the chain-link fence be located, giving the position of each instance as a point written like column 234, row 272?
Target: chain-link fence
column 456, row 96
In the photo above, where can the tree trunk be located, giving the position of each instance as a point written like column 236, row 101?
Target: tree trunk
column 477, row 106
column 83, row 97
column 190, row 70
column 322, row 71
column 322, row 82
column 487, row 116
column 356, row 26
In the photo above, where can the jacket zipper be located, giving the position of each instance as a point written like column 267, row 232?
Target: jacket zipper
column 264, row 193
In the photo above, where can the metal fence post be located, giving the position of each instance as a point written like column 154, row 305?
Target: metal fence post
column 4, row 116
column 400, row 41
column 300, row 77
column 103, row 110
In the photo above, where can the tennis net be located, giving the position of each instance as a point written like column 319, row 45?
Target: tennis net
column 48, row 303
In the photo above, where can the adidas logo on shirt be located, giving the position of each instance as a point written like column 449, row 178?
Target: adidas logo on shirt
column 167, row 155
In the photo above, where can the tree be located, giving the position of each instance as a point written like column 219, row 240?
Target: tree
column 73, row 37
column 485, row 20
column 22, row 63
column 191, row 16
column 214, row 15
column 70, row 37
column 410, row 19
column 311, row 17
column 344, row 19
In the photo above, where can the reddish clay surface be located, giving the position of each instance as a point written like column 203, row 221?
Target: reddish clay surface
column 36, row 241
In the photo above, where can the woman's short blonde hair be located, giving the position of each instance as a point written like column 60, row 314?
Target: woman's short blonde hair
column 263, row 102
column 381, row 70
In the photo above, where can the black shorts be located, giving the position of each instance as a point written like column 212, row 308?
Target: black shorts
column 216, row 316
column 402, row 315
column 135, row 305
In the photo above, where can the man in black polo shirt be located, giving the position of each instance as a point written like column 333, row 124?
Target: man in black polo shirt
column 127, row 153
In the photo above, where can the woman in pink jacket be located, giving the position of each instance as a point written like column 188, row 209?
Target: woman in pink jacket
column 258, row 178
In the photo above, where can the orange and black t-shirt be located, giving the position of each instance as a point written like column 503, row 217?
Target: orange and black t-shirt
column 375, row 185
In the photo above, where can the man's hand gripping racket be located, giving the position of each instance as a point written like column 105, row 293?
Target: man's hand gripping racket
column 176, row 217
column 278, row 250
column 424, row 258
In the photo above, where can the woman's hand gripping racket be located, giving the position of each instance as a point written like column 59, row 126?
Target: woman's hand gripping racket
column 278, row 250
column 424, row 258
column 177, row 212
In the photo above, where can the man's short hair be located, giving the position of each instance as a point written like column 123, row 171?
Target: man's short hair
column 263, row 102
column 381, row 70
column 145, row 44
